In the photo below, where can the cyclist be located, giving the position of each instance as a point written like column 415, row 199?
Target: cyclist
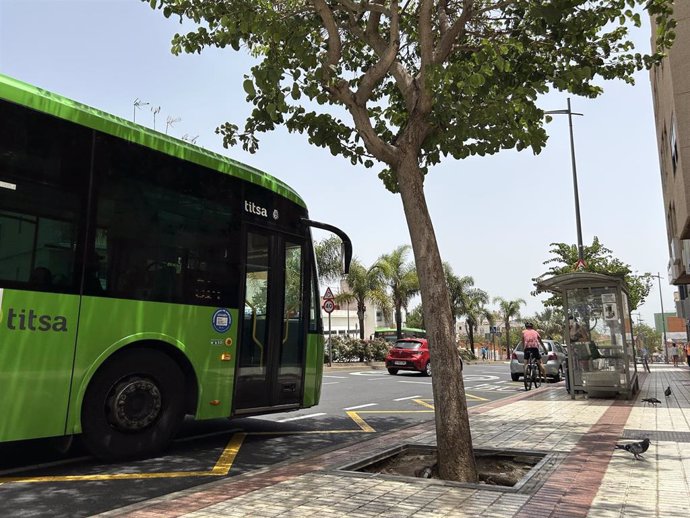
column 532, row 341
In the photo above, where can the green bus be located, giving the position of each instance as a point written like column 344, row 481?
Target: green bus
column 143, row 279
column 390, row 334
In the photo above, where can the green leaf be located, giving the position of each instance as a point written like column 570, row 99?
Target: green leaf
column 248, row 86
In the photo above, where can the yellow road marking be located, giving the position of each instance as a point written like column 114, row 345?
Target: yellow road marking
column 307, row 432
column 360, row 422
column 221, row 468
column 113, row 476
column 227, row 458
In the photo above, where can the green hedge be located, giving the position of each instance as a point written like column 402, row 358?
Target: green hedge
column 346, row 349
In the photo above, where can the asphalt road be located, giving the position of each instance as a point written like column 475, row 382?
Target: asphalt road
column 354, row 404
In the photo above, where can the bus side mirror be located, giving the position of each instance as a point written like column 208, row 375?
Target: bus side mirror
column 346, row 242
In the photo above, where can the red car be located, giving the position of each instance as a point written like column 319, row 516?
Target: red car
column 409, row 354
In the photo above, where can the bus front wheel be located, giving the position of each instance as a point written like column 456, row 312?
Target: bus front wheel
column 133, row 406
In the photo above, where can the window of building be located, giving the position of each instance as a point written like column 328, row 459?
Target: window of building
column 674, row 144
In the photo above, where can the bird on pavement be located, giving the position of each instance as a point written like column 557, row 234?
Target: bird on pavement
column 426, row 472
column 654, row 401
column 667, row 392
column 636, row 448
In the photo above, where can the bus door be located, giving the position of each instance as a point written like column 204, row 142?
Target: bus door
column 272, row 342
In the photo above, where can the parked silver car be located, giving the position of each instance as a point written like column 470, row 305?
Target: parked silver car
column 554, row 359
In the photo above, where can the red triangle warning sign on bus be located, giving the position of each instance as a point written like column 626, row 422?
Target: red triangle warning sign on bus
column 328, row 294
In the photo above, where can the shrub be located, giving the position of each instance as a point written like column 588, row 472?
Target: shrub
column 347, row 349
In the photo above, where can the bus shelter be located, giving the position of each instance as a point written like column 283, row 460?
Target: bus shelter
column 598, row 333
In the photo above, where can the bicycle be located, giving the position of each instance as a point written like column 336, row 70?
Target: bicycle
column 532, row 374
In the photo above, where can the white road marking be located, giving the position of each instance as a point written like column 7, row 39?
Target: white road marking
column 419, row 382
column 409, row 397
column 360, row 406
column 300, row 417
column 331, row 383
column 336, row 377
column 480, row 377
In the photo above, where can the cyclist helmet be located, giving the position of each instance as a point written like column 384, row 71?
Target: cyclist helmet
column 529, row 325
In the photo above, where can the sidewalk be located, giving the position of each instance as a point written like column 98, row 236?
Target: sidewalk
column 584, row 476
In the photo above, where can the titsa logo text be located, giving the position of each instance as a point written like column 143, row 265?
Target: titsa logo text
column 29, row 320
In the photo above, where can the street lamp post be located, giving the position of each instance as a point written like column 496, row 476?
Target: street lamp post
column 570, row 113
column 663, row 317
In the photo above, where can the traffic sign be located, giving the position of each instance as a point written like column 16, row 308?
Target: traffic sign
column 328, row 294
column 328, row 306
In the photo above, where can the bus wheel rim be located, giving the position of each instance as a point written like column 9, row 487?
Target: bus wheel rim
column 135, row 404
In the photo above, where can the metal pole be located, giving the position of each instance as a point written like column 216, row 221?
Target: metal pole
column 570, row 113
column 330, row 342
column 580, row 250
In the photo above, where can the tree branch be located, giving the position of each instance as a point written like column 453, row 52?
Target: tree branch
column 379, row 70
column 334, row 42
column 450, row 36
column 339, row 88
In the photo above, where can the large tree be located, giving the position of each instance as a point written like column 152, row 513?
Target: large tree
column 598, row 259
column 401, row 277
column 419, row 80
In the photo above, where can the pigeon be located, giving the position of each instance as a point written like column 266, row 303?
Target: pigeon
column 667, row 392
column 636, row 448
column 654, row 401
column 425, row 472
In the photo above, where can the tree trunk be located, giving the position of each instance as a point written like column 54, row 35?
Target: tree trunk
column 361, row 308
column 507, row 339
column 398, row 321
column 470, row 335
column 453, row 439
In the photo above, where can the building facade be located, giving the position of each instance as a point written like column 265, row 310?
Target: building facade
column 671, row 95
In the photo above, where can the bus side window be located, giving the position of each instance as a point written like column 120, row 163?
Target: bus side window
column 171, row 225
column 44, row 167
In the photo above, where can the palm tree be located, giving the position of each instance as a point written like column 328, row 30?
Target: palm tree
column 474, row 310
column 457, row 286
column 401, row 278
column 508, row 309
column 364, row 285
column 467, row 301
column 550, row 323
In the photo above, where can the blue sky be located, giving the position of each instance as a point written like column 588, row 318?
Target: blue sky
column 494, row 216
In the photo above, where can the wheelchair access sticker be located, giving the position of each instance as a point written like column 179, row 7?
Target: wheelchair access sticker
column 222, row 320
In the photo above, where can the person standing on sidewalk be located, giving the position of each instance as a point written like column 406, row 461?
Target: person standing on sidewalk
column 674, row 354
